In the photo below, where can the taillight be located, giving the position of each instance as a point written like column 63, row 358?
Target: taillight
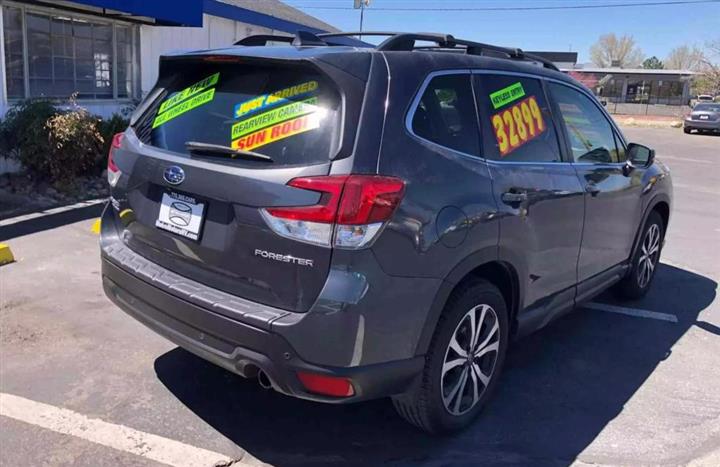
column 113, row 171
column 351, row 211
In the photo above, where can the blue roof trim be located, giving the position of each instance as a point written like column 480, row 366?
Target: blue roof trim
column 165, row 12
column 224, row 10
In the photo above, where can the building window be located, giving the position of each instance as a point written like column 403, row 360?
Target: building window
column 64, row 54
column 14, row 63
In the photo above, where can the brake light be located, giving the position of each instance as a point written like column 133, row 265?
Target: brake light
column 113, row 171
column 327, row 385
column 351, row 210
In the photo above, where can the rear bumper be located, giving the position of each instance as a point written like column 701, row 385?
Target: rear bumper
column 702, row 125
column 202, row 321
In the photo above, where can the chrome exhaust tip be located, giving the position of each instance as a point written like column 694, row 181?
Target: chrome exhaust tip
column 264, row 380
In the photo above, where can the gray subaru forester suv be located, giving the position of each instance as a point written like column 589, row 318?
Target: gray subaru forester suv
column 344, row 222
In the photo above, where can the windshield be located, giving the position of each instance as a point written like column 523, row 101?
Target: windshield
column 291, row 115
column 707, row 108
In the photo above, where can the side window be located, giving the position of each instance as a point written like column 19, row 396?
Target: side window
column 446, row 114
column 591, row 136
column 517, row 120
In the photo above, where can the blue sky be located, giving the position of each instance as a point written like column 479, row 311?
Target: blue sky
column 656, row 29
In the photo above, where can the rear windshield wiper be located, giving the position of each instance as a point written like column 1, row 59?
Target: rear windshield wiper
column 207, row 148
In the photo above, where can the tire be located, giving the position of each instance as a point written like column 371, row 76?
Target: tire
column 430, row 405
column 687, row 130
column 638, row 280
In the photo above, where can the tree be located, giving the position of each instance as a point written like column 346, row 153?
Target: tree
column 684, row 58
column 709, row 81
column 611, row 50
column 653, row 63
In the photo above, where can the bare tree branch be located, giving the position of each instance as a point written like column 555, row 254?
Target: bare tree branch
column 610, row 50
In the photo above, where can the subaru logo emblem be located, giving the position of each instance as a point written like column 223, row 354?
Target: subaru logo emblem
column 174, row 175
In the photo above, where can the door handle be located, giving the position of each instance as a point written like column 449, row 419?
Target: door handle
column 511, row 197
column 592, row 189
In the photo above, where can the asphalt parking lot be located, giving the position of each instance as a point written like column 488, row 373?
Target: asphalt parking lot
column 81, row 383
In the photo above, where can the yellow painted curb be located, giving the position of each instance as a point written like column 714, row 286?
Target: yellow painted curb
column 6, row 255
column 95, row 227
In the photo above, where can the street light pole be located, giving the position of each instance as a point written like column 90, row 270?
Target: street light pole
column 361, row 4
column 362, row 15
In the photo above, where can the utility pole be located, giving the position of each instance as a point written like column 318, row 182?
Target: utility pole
column 361, row 5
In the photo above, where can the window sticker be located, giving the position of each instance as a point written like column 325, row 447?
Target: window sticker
column 184, row 106
column 189, row 92
column 277, row 115
column 278, row 97
column 507, row 95
column 277, row 132
column 518, row 125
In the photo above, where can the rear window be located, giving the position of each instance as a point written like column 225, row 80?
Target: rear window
column 292, row 115
column 446, row 114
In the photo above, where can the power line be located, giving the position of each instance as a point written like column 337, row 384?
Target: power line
column 518, row 8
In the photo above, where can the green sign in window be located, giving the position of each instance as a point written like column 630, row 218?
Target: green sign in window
column 507, row 95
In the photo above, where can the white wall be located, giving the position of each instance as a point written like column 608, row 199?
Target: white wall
column 158, row 40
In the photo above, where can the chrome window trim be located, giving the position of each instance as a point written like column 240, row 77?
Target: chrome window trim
column 472, row 71
column 410, row 114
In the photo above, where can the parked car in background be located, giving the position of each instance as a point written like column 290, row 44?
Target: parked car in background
column 347, row 223
column 700, row 99
column 705, row 117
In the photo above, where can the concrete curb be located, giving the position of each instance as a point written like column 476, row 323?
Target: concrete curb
column 6, row 256
column 629, row 121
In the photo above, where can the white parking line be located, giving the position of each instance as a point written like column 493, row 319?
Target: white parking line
column 47, row 212
column 122, row 438
column 637, row 312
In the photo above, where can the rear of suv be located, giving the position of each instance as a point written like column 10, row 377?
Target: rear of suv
column 351, row 222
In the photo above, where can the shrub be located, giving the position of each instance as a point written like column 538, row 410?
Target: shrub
column 75, row 143
column 24, row 135
column 57, row 145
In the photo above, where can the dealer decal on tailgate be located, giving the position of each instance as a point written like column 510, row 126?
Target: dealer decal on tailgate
column 278, row 97
column 518, row 125
column 277, row 132
column 186, row 100
column 272, row 117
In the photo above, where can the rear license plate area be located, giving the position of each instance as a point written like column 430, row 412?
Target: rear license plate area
column 181, row 214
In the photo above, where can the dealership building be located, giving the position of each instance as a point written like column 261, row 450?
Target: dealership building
column 107, row 51
column 637, row 85
column 629, row 90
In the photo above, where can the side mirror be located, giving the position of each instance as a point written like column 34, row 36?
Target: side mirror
column 640, row 156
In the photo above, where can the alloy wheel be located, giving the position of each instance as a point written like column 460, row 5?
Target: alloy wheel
column 470, row 359
column 649, row 255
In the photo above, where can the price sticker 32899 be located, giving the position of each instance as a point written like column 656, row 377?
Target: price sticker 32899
column 518, row 125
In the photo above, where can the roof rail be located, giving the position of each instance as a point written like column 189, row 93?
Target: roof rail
column 406, row 41
column 399, row 41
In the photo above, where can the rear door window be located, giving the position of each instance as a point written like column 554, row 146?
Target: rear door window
column 516, row 115
column 446, row 114
column 292, row 114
